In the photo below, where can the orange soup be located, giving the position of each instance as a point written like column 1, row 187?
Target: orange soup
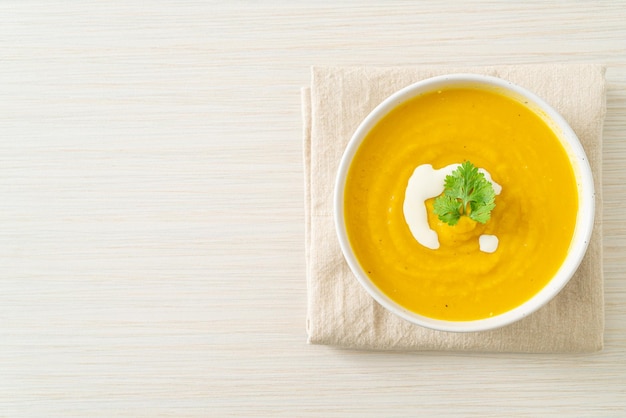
column 534, row 217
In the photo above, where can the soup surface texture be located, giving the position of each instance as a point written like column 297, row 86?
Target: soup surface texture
column 534, row 217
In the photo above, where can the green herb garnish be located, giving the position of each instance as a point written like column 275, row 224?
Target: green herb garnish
column 467, row 193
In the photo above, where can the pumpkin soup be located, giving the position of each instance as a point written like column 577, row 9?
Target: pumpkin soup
column 476, row 270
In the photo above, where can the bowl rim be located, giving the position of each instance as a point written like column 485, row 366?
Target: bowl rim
column 577, row 156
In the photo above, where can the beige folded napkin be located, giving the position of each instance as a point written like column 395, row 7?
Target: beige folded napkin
column 340, row 313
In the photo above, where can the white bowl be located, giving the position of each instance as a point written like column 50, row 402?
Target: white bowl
column 580, row 164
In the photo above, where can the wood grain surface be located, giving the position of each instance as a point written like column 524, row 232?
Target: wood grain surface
column 151, row 209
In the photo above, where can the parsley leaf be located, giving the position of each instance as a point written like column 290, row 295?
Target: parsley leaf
column 467, row 193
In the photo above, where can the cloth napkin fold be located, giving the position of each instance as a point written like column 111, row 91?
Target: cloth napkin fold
column 340, row 313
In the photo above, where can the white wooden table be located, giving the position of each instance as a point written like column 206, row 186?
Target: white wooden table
column 151, row 209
